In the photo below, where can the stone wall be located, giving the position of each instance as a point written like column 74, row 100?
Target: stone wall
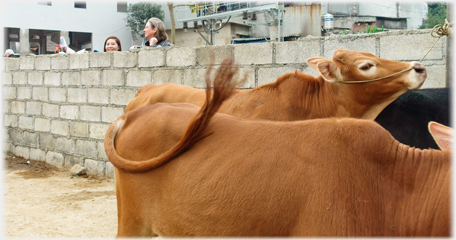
column 57, row 108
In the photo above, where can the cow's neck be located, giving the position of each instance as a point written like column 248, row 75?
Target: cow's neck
column 420, row 186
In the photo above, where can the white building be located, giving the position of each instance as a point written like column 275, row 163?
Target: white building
column 35, row 27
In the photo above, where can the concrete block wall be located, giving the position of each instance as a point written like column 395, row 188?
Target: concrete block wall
column 57, row 108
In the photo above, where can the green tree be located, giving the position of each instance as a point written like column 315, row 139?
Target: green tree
column 437, row 13
column 139, row 13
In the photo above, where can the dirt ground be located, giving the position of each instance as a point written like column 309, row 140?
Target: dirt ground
column 42, row 201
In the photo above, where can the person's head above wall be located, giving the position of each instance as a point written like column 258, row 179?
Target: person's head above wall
column 112, row 44
column 158, row 29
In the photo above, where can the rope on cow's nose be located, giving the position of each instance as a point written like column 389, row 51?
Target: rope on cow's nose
column 438, row 31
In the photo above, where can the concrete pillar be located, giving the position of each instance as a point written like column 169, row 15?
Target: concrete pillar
column 24, row 41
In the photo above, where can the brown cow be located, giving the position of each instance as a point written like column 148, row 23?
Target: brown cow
column 298, row 96
column 321, row 177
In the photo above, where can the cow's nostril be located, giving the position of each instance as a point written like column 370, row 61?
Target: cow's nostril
column 420, row 70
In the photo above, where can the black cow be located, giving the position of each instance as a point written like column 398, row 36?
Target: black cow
column 408, row 116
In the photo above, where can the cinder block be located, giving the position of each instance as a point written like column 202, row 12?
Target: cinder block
column 102, row 59
column 109, row 170
column 30, row 139
column 102, row 152
column 15, row 135
column 9, row 92
column 57, row 94
column 208, row 55
column 52, row 78
column 195, row 77
column 138, row 78
column 69, row 112
column 42, row 62
column 181, row 57
column 79, row 129
column 7, row 78
column 60, row 127
column 436, row 77
column 50, row 110
column 110, row 114
column 125, row 59
column 17, row 107
column 258, row 53
column 98, row 130
column 95, row 167
column 358, row 42
column 55, row 158
column 168, row 76
column 70, row 161
column 86, row 149
column 12, row 64
column 37, row 154
column 79, row 61
column 77, row 95
column 122, row 96
column 71, row 78
column 40, row 93
column 42, row 125
column 113, row 77
column 90, row 78
column 35, row 78
column 10, row 120
column 268, row 75
column 33, row 108
column 23, row 152
column 65, row 145
column 297, row 51
column 47, row 142
column 26, row 123
column 90, row 113
column 60, row 62
column 153, row 57
column 411, row 47
column 27, row 63
column 20, row 78
column 96, row 95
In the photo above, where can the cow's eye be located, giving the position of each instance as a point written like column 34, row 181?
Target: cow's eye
column 366, row 66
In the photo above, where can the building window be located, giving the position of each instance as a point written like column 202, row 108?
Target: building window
column 80, row 5
column 121, row 6
column 45, row 3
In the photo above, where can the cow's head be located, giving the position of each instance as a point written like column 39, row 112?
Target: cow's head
column 348, row 65
column 352, row 66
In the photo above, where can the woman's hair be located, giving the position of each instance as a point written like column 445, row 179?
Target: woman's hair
column 117, row 41
column 161, row 33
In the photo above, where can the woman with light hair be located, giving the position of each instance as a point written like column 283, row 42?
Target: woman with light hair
column 155, row 33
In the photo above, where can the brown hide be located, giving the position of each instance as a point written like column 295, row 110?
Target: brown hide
column 298, row 96
column 322, row 177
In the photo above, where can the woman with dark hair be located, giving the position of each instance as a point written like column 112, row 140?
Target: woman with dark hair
column 155, row 32
column 112, row 44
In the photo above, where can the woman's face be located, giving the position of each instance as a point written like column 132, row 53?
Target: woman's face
column 149, row 32
column 111, row 45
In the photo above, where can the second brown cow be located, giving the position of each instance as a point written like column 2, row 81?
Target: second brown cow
column 298, row 96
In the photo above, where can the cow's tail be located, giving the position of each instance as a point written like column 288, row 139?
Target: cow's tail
column 224, row 87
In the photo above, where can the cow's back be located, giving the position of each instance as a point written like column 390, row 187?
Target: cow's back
column 169, row 93
column 247, row 173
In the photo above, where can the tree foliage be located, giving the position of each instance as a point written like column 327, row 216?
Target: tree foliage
column 437, row 13
column 139, row 13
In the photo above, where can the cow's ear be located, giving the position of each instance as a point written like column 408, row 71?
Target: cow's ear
column 325, row 67
column 441, row 134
